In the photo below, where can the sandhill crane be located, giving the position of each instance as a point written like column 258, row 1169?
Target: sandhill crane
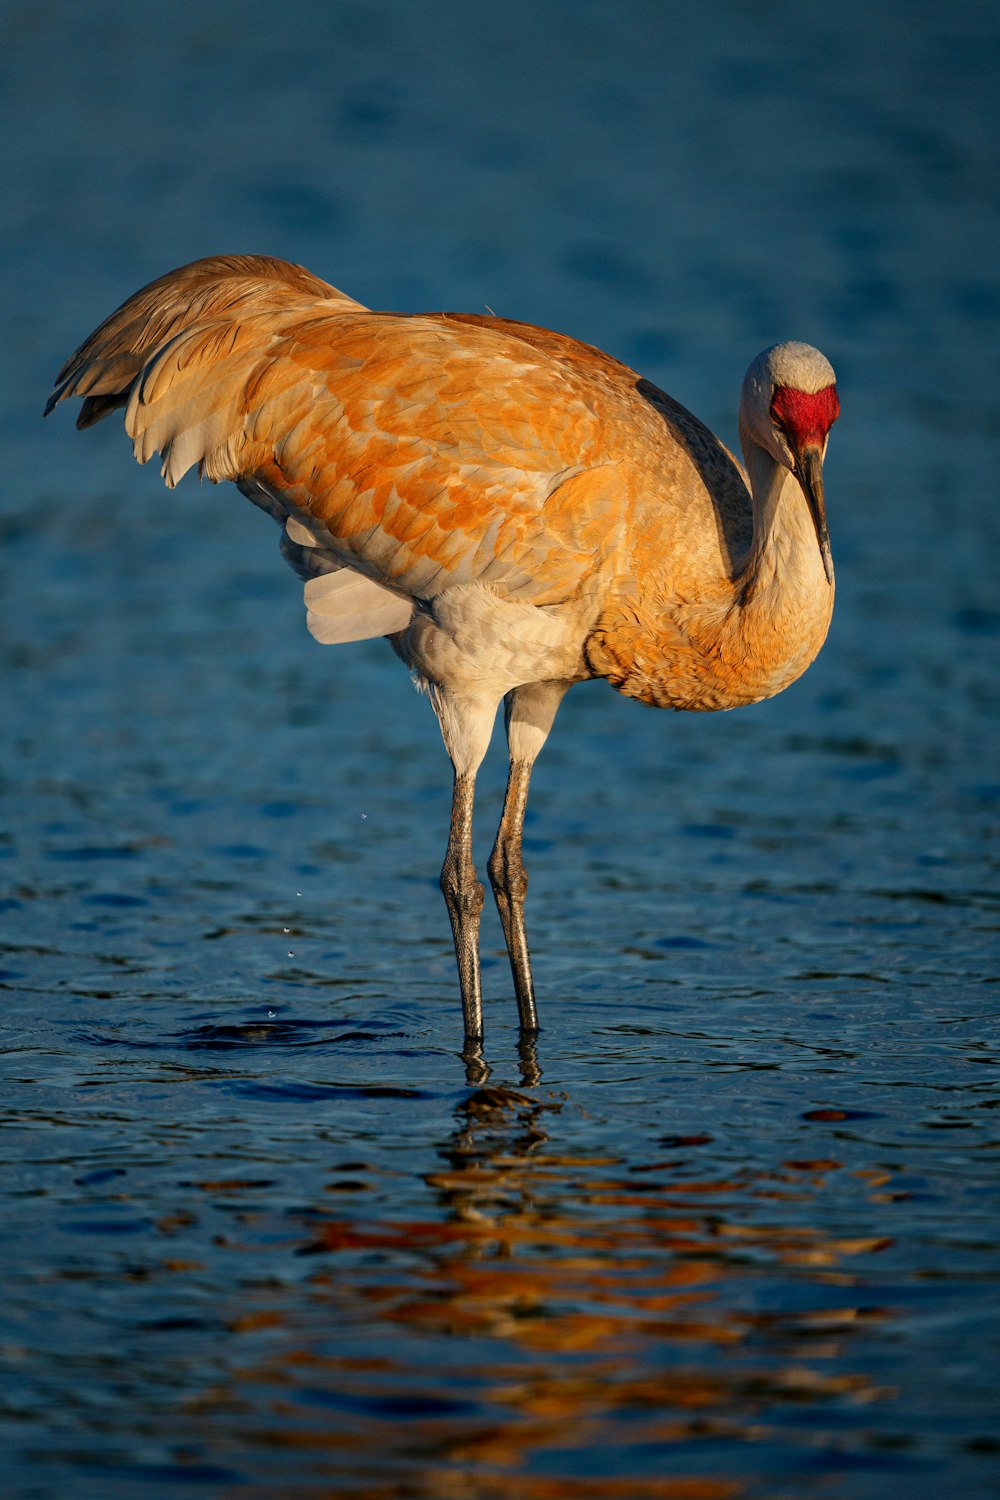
column 513, row 510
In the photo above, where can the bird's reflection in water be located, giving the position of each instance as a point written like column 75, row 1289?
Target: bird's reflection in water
column 478, row 1070
column 561, row 1326
column 488, row 1175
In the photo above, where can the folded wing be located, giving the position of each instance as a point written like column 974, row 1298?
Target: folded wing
column 415, row 452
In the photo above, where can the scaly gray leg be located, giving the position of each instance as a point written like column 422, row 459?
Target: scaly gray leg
column 463, row 894
column 509, row 880
column 529, row 711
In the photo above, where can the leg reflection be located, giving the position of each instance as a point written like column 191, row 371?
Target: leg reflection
column 478, row 1070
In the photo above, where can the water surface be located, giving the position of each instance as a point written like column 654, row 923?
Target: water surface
column 730, row 1229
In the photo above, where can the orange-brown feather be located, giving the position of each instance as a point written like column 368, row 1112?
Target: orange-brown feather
column 447, row 449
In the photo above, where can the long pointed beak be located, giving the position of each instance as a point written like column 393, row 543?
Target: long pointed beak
column 809, row 473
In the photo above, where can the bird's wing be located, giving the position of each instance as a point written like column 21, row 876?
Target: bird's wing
column 105, row 367
column 432, row 453
column 430, row 450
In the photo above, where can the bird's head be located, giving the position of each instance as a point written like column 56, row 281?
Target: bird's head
column 787, row 407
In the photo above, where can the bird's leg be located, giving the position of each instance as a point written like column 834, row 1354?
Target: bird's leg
column 466, row 725
column 463, row 894
column 529, row 711
column 509, row 880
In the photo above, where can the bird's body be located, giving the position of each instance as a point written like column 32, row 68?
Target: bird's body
column 516, row 511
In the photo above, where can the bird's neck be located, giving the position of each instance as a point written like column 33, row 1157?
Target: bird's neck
column 782, row 599
column 784, row 557
column 784, row 561
column 732, row 640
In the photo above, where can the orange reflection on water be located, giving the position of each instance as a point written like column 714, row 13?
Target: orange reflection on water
column 551, row 1318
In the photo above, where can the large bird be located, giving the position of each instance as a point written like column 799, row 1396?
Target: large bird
column 515, row 511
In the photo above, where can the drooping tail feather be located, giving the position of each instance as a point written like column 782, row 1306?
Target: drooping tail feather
column 105, row 367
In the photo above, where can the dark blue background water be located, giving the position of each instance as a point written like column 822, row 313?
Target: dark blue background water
column 733, row 1230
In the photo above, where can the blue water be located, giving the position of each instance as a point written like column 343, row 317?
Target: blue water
column 730, row 1229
